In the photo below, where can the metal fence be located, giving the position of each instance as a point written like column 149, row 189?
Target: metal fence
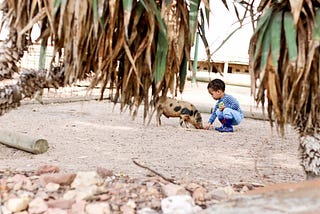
column 30, row 59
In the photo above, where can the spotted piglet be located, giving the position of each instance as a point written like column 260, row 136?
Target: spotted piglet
column 177, row 108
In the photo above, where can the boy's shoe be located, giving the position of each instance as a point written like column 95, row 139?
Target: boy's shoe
column 225, row 129
column 219, row 128
column 223, row 122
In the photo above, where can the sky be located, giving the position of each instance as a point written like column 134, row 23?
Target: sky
column 222, row 23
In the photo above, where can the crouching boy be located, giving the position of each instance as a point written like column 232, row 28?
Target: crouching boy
column 227, row 108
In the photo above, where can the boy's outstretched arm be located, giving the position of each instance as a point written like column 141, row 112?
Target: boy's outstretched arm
column 207, row 126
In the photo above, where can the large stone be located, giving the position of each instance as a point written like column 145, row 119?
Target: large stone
column 302, row 197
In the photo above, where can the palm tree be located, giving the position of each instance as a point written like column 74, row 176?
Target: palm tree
column 132, row 47
column 285, row 70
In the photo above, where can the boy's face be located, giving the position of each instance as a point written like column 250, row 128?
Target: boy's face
column 216, row 94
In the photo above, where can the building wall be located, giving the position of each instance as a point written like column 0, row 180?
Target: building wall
column 225, row 67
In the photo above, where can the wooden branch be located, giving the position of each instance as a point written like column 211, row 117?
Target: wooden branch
column 153, row 171
column 23, row 142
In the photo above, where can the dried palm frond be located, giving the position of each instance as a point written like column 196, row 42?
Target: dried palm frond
column 130, row 46
column 18, row 18
column 284, row 63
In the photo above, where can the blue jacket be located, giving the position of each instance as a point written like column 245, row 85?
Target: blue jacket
column 229, row 102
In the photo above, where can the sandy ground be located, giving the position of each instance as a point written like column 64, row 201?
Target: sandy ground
column 89, row 134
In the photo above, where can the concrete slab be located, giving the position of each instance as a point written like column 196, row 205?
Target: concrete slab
column 301, row 197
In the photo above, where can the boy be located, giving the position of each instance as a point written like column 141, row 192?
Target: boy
column 227, row 108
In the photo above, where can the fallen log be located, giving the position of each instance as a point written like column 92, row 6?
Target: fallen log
column 23, row 142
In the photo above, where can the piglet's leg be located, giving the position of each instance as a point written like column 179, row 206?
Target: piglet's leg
column 159, row 113
column 181, row 122
column 185, row 121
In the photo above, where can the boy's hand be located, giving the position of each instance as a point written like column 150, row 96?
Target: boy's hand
column 207, row 126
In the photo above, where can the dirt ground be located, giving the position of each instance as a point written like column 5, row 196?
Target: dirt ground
column 85, row 135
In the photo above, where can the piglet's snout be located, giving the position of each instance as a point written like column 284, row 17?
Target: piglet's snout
column 198, row 120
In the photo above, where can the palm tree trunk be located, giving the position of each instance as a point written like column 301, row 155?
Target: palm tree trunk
column 310, row 155
column 10, row 54
column 29, row 83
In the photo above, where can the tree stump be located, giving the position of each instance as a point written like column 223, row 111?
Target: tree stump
column 23, row 142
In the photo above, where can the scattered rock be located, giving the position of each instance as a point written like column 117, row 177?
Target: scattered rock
column 103, row 173
column 147, row 210
column 199, row 195
column 88, row 192
column 173, row 189
column 126, row 209
column 98, row 208
column 60, row 203
column 221, row 193
column 47, row 169
column 179, row 204
column 62, row 179
column 79, row 207
column 17, row 204
column 56, row 211
column 52, row 187
column 37, row 205
column 84, row 179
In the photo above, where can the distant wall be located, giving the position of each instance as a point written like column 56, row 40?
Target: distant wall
column 30, row 59
column 224, row 67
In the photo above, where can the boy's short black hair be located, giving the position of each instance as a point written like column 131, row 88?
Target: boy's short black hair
column 216, row 84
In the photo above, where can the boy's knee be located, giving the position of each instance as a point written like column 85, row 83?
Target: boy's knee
column 228, row 116
column 227, row 113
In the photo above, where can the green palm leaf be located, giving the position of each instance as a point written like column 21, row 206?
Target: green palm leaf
column 193, row 18
column 56, row 5
column 265, row 49
column 316, row 32
column 162, row 45
column 260, row 31
column 291, row 36
column 183, row 72
column 161, row 56
column 276, row 38
column 127, row 7
column 264, row 20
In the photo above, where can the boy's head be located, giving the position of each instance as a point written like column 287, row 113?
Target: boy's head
column 216, row 88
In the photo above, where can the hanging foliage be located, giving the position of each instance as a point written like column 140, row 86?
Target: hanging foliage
column 128, row 46
column 284, row 63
